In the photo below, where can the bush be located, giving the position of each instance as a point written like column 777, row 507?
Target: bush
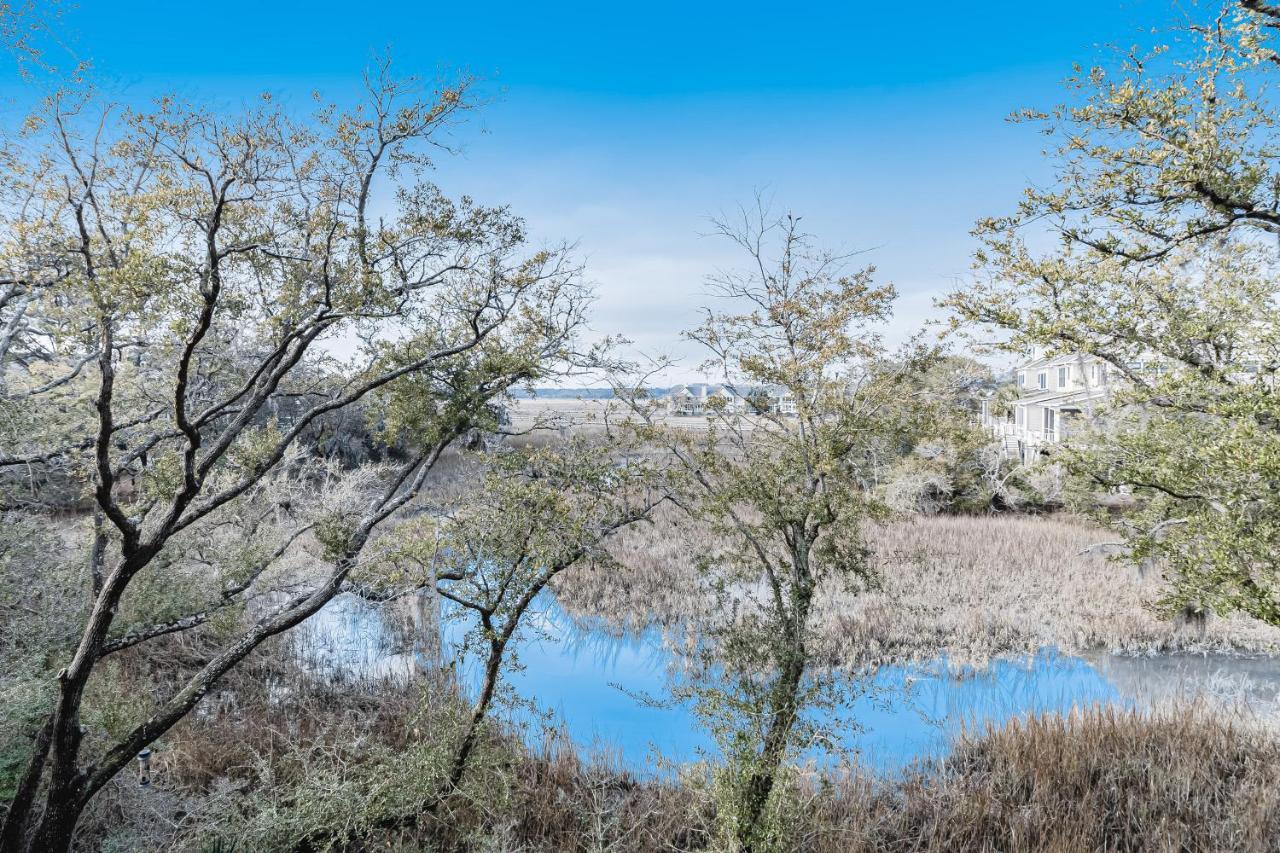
column 917, row 486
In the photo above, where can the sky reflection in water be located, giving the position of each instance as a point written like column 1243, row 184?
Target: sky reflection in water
column 589, row 680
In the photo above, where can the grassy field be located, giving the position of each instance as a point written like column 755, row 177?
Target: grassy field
column 566, row 414
column 975, row 587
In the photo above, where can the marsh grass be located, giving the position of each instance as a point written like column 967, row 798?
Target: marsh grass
column 976, row 587
column 1185, row 778
column 286, row 757
column 972, row 587
column 349, row 771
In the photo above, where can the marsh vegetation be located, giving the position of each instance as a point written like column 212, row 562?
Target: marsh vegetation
column 974, row 587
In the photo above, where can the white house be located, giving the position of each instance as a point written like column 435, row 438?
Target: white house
column 726, row 399
column 1056, row 396
column 781, row 400
column 682, row 400
column 698, row 399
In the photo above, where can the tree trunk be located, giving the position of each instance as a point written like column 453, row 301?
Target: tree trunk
column 783, row 711
column 61, row 751
column 478, row 713
column 782, row 718
column 58, row 825
column 14, row 834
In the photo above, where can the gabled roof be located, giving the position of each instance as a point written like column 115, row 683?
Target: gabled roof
column 697, row 389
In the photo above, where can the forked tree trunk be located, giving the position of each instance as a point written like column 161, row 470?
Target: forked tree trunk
column 70, row 788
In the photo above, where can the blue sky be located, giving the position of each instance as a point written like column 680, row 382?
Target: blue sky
column 623, row 127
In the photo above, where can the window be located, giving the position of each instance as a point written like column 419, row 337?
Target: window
column 1022, row 379
column 1062, row 376
column 1049, row 422
column 1043, row 380
column 1021, row 416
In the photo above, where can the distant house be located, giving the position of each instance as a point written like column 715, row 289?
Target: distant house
column 698, row 399
column 781, row 400
column 1056, row 396
column 725, row 399
column 683, row 401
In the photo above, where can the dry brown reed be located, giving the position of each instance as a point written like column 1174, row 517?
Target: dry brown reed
column 1183, row 779
column 973, row 586
column 984, row 586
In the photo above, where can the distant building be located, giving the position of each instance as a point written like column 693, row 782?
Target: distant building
column 687, row 400
column 1056, row 396
column 700, row 399
column 779, row 400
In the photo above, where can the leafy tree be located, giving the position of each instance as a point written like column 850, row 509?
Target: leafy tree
column 537, row 514
column 783, row 487
column 1165, row 211
column 184, row 297
column 954, row 466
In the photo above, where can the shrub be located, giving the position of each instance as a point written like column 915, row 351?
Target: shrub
column 918, row 486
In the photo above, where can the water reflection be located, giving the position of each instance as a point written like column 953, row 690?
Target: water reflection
column 1251, row 680
column 589, row 678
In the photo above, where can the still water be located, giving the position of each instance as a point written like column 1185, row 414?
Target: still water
column 589, row 681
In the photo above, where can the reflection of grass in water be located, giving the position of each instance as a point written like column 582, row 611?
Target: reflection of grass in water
column 354, row 639
column 1006, row 689
column 1226, row 681
column 913, row 712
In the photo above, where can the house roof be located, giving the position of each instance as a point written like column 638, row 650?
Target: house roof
column 698, row 389
column 1065, row 359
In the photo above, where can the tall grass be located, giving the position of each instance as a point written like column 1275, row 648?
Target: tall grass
column 1186, row 778
column 285, row 758
column 973, row 587
column 1182, row 779
column 983, row 586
